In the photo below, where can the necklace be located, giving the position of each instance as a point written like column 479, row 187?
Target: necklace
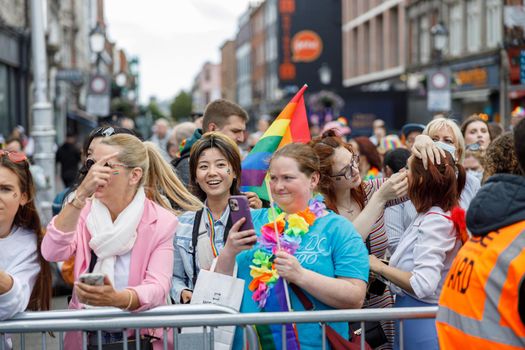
column 348, row 210
column 290, row 230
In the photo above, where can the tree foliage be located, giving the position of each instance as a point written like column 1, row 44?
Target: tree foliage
column 155, row 111
column 181, row 106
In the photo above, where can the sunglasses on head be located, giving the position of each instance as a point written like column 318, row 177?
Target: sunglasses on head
column 104, row 131
column 15, row 157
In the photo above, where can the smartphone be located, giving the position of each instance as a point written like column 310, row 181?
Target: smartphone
column 93, row 279
column 240, row 208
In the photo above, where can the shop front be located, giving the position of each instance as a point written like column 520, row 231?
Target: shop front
column 475, row 87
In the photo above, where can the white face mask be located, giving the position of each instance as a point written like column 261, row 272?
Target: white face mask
column 478, row 174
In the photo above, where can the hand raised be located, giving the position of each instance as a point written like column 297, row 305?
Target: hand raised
column 395, row 187
column 425, row 149
column 98, row 176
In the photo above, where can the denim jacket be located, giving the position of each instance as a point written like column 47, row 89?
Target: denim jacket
column 183, row 259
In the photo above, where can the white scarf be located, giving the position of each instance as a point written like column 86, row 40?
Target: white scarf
column 111, row 239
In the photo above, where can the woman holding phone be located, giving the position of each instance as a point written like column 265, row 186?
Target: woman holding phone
column 319, row 251
column 215, row 175
column 118, row 225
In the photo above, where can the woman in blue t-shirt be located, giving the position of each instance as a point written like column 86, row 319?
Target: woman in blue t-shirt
column 318, row 251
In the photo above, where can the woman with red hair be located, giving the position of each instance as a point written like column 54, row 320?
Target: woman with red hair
column 361, row 202
column 425, row 252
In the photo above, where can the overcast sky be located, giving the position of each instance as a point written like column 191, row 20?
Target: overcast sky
column 172, row 38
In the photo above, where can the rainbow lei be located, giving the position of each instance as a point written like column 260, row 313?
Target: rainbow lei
column 290, row 232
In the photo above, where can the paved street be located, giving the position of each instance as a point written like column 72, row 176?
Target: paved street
column 34, row 340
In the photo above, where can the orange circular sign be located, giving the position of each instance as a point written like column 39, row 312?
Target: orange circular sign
column 306, row 46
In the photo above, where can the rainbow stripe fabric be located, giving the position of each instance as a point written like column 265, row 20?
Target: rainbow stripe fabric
column 290, row 126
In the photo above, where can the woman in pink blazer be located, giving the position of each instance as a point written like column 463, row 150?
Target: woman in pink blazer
column 118, row 225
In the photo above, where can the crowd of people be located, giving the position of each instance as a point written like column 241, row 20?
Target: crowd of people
column 352, row 222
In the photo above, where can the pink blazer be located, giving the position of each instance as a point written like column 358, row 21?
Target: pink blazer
column 151, row 265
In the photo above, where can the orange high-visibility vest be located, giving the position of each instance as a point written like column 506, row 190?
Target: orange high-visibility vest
column 478, row 307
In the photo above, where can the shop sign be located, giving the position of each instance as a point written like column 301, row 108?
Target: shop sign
column 475, row 78
column 476, row 74
column 306, row 46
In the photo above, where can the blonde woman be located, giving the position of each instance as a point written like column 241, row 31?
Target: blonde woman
column 120, row 225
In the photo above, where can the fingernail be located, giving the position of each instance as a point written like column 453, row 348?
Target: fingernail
column 116, row 173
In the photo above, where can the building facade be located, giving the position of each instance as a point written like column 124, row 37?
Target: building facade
column 228, row 70
column 243, row 54
column 470, row 61
column 15, row 51
column 374, row 48
column 258, row 58
column 207, row 86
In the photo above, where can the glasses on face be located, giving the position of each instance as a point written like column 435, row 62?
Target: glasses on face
column 15, row 157
column 473, row 147
column 90, row 162
column 348, row 171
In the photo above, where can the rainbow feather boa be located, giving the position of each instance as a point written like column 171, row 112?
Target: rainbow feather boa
column 290, row 232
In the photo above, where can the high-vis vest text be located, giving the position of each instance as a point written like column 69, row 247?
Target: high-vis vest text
column 478, row 308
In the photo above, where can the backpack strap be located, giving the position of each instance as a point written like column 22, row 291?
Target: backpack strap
column 194, row 238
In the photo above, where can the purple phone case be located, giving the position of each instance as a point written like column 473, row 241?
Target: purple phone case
column 239, row 208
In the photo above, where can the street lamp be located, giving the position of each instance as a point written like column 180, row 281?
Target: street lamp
column 440, row 34
column 97, row 41
column 325, row 74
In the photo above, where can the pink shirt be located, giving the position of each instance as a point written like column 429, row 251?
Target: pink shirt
column 151, row 264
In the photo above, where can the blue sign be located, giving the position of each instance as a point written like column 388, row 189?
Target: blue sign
column 522, row 67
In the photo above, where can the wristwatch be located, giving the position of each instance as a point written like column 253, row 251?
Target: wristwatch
column 74, row 201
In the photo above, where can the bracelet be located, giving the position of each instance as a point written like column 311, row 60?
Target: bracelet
column 130, row 300
column 75, row 206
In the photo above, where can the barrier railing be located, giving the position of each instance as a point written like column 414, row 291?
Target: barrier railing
column 208, row 317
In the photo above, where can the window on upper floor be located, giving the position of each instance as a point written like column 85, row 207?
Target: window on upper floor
column 494, row 33
column 424, row 39
column 473, row 25
column 456, row 30
column 413, row 41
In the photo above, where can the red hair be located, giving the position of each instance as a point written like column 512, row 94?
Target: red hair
column 325, row 146
column 439, row 185
column 369, row 150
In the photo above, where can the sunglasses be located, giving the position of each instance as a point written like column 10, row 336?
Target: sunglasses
column 90, row 162
column 15, row 157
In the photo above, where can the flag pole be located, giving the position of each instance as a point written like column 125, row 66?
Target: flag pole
column 274, row 214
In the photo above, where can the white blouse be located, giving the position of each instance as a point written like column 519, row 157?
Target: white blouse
column 427, row 249
column 19, row 258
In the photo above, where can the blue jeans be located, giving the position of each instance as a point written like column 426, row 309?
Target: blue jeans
column 418, row 333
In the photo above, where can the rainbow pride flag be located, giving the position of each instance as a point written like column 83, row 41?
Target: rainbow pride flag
column 290, row 126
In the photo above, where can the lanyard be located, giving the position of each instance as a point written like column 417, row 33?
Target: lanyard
column 214, row 249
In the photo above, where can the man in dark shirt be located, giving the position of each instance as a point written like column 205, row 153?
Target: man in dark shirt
column 68, row 155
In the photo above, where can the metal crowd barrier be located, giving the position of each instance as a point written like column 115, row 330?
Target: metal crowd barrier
column 205, row 316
